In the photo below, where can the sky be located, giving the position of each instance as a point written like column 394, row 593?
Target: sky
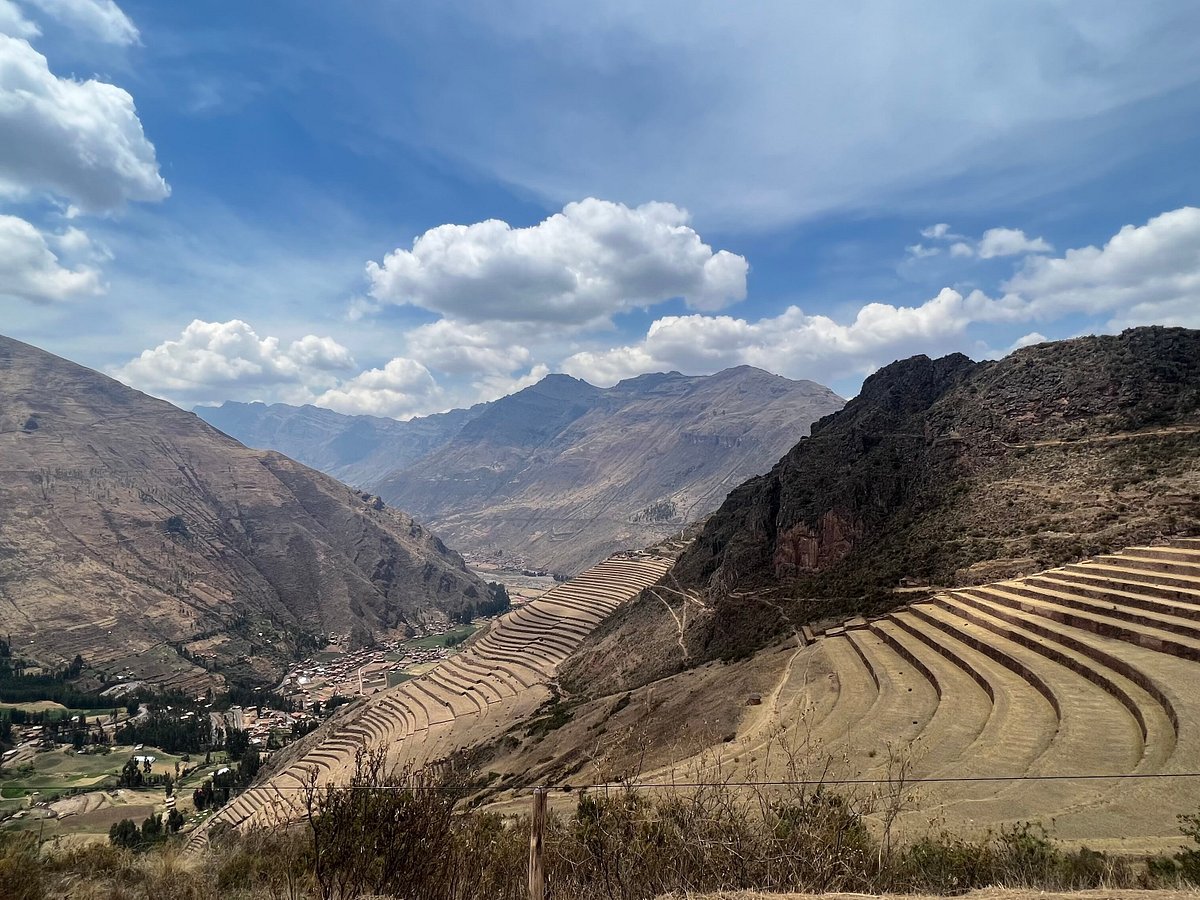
column 395, row 208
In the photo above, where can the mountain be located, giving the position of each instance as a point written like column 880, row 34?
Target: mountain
column 940, row 472
column 158, row 548
column 563, row 473
column 358, row 450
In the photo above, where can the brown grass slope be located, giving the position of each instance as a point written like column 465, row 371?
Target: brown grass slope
column 136, row 535
column 562, row 474
column 945, row 472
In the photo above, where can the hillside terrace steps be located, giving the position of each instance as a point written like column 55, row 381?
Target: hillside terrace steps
column 1154, row 731
column 1084, row 707
column 504, row 670
column 1119, row 574
column 1123, row 594
column 1082, row 712
column 856, row 692
column 906, row 700
column 1020, row 722
column 1156, row 614
column 1152, row 562
column 1154, row 637
column 963, row 707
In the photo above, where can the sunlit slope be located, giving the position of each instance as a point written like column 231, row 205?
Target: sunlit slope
column 1091, row 669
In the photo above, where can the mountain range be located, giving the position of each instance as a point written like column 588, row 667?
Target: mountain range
column 159, row 549
column 562, row 473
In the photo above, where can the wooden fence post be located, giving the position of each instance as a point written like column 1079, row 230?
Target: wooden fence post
column 537, row 869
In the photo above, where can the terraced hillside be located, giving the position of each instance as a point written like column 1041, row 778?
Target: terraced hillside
column 1088, row 669
column 498, row 680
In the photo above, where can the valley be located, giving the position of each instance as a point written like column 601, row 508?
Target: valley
column 943, row 618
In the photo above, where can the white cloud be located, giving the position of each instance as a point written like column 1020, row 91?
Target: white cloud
column 920, row 251
column 401, row 389
column 1010, row 242
column 81, row 140
column 102, row 19
column 1143, row 274
column 214, row 361
column 29, row 269
column 464, row 348
column 794, row 343
column 13, row 23
column 580, row 266
column 995, row 242
column 1028, row 340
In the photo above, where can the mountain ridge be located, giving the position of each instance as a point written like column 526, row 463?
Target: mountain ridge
column 163, row 550
column 562, row 473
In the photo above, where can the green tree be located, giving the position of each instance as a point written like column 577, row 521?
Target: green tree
column 125, row 834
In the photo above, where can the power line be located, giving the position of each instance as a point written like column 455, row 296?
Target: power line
column 827, row 782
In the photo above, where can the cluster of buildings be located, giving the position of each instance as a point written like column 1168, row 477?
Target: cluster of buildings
column 356, row 672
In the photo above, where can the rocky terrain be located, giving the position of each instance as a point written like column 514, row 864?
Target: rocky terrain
column 562, row 473
column 941, row 472
column 159, row 549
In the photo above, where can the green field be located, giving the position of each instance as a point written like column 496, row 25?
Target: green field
column 58, row 711
column 57, row 772
column 460, row 632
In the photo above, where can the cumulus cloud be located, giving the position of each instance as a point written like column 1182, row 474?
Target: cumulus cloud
column 14, row 24
column 580, row 266
column 465, row 348
column 81, row 140
column 1143, row 274
column 995, row 242
column 794, row 343
column 401, row 389
column 1146, row 274
column 228, row 360
column 1010, row 242
column 30, row 269
column 102, row 19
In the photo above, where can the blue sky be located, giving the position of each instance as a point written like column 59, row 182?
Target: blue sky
column 395, row 208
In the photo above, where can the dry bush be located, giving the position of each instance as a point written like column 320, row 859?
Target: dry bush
column 20, row 871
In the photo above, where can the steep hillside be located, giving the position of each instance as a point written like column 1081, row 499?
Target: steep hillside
column 158, row 548
column 359, row 450
column 941, row 472
column 561, row 474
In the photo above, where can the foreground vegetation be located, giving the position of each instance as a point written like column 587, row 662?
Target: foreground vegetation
column 399, row 835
